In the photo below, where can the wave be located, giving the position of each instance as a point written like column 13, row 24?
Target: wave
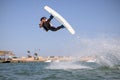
column 66, row 65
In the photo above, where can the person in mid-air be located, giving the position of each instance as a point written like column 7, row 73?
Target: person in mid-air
column 45, row 23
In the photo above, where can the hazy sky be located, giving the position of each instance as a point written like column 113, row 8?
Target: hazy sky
column 19, row 29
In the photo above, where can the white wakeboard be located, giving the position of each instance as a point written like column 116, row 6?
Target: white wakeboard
column 58, row 17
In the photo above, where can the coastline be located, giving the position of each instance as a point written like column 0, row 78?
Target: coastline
column 47, row 59
column 9, row 57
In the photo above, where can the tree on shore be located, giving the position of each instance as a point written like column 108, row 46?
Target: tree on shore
column 29, row 55
column 36, row 56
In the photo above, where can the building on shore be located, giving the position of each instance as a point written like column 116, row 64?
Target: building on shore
column 6, row 56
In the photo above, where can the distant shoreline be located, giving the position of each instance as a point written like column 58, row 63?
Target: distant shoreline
column 47, row 59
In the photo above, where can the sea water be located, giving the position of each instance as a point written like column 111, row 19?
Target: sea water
column 106, row 66
column 58, row 71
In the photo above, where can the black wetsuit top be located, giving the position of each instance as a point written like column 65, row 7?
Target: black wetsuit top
column 47, row 26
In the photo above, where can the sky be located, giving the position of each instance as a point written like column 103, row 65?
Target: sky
column 91, row 19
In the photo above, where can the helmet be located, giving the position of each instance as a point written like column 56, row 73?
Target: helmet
column 43, row 18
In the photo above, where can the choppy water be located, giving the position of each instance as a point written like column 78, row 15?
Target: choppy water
column 58, row 71
column 107, row 66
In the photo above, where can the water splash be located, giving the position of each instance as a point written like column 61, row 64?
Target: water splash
column 66, row 66
column 105, row 49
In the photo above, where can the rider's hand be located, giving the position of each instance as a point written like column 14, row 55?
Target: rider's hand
column 51, row 17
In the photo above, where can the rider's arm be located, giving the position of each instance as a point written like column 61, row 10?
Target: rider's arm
column 51, row 17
